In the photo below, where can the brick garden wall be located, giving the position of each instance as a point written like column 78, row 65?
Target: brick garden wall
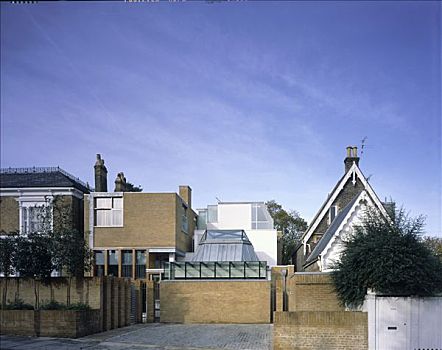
column 315, row 319
column 331, row 330
column 84, row 290
column 215, row 301
column 50, row 323
column 312, row 292
column 109, row 295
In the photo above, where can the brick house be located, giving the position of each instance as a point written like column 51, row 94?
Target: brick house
column 26, row 192
column 131, row 232
column 321, row 244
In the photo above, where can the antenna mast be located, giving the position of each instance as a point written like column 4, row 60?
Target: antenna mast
column 363, row 145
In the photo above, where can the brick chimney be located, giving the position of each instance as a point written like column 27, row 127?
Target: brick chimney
column 186, row 195
column 120, row 183
column 352, row 156
column 100, row 175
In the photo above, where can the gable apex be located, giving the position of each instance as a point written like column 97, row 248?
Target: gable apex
column 353, row 174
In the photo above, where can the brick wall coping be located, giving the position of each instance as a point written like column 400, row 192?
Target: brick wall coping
column 320, row 318
column 216, row 280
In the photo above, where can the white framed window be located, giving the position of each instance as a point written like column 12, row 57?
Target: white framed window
column 108, row 211
column 32, row 218
column 212, row 213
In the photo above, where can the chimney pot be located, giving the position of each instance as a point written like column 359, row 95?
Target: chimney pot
column 100, row 175
column 120, row 183
column 352, row 157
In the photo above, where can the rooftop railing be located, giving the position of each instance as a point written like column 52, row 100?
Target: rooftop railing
column 31, row 170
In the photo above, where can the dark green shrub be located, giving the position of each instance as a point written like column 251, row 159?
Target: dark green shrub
column 52, row 305
column 78, row 307
column 18, row 304
column 387, row 257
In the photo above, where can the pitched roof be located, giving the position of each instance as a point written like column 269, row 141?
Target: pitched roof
column 354, row 172
column 40, row 177
column 331, row 231
column 224, row 245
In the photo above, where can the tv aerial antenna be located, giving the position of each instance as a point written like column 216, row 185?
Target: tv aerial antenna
column 363, row 144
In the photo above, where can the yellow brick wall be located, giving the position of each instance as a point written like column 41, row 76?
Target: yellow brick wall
column 87, row 290
column 331, row 330
column 278, row 284
column 184, row 239
column 148, row 221
column 150, row 300
column 9, row 214
column 312, row 292
column 110, row 295
column 215, row 301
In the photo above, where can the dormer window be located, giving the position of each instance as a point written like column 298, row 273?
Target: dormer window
column 332, row 213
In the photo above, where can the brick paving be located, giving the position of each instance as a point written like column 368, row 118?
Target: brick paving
column 157, row 337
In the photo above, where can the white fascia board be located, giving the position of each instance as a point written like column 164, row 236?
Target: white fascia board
column 372, row 194
column 40, row 192
column 108, row 194
column 149, row 249
column 362, row 196
column 353, row 169
column 330, row 200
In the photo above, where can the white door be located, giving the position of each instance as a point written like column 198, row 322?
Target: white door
column 392, row 323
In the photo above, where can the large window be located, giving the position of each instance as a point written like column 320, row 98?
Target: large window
column 112, row 263
column 126, row 264
column 99, row 263
column 261, row 219
column 140, row 268
column 33, row 219
column 109, row 211
column 202, row 219
column 212, row 213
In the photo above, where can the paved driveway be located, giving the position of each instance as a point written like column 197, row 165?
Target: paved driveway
column 157, row 337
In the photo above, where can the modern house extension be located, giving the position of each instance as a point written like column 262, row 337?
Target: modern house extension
column 251, row 217
column 133, row 234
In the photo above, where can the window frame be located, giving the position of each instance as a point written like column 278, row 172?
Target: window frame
column 111, row 209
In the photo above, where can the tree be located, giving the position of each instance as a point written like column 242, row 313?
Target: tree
column 51, row 246
column 8, row 250
column 434, row 244
column 388, row 257
column 130, row 187
column 34, row 259
column 290, row 224
column 71, row 254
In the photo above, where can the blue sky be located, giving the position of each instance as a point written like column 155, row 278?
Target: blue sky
column 240, row 100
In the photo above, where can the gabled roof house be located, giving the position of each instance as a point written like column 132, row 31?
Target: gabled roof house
column 321, row 244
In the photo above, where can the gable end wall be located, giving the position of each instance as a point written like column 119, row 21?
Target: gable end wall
column 347, row 194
